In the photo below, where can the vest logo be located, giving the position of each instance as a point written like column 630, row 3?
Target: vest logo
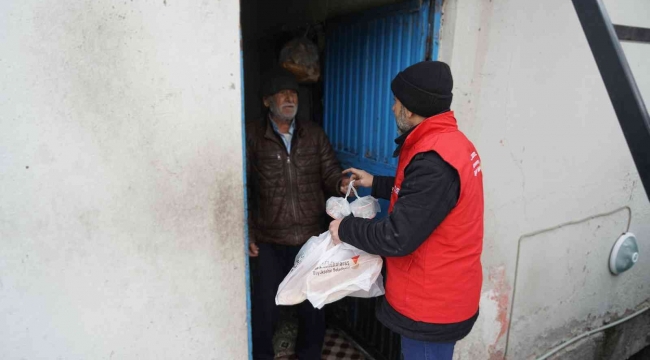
column 477, row 163
column 395, row 190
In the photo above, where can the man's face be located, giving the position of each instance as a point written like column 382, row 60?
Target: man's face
column 401, row 117
column 283, row 104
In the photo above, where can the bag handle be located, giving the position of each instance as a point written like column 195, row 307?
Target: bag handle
column 351, row 188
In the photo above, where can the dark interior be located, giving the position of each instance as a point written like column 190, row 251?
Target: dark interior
column 266, row 27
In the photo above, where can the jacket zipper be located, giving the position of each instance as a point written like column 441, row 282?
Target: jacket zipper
column 293, row 201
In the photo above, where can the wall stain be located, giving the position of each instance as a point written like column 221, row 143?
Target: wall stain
column 502, row 289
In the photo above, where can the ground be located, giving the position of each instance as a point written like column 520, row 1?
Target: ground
column 337, row 345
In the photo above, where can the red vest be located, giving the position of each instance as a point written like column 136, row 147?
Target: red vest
column 440, row 282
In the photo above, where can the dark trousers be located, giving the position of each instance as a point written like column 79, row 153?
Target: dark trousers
column 268, row 271
column 423, row 350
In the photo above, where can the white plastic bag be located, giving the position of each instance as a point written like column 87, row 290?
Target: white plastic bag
column 377, row 289
column 324, row 273
column 365, row 207
column 292, row 289
column 337, row 207
column 344, row 271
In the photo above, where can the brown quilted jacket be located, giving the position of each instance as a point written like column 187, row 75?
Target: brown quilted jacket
column 287, row 192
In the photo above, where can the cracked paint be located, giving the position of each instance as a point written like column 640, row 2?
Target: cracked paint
column 500, row 296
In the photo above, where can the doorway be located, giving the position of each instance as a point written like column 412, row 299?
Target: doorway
column 361, row 45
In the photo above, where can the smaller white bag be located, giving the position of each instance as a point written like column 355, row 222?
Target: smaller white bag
column 365, row 207
column 337, row 207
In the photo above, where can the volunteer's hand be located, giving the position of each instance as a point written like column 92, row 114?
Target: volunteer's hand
column 360, row 177
column 334, row 231
column 253, row 250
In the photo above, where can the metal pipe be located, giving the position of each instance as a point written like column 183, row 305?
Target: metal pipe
column 529, row 235
column 562, row 346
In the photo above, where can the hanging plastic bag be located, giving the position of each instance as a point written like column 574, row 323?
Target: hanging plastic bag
column 339, row 207
column 300, row 56
column 365, row 207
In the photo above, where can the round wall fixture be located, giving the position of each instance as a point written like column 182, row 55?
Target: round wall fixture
column 625, row 254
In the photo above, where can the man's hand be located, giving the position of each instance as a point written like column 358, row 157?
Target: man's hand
column 253, row 250
column 360, row 177
column 334, row 231
column 344, row 186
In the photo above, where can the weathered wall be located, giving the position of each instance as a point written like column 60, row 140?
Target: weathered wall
column 121, row 220
column 616, row 343
column 529, row 94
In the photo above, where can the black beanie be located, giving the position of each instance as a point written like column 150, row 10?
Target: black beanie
column 277, row 80
column 424, row 88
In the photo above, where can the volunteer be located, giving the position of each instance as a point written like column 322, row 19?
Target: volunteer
column 433, row 236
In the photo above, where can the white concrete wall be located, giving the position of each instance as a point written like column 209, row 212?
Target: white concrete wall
column 529, row 94
column 121, row 211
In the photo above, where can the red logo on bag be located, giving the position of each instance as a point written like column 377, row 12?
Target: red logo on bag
column 355, row 259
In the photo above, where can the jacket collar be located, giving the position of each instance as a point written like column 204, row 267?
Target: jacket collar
column 400, row 141
column 440, row 123
column 270, row 134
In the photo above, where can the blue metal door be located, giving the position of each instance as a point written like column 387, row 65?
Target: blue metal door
column 363, row 54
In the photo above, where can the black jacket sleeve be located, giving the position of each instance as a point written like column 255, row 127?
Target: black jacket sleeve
column 429, row 191
column 382, row 186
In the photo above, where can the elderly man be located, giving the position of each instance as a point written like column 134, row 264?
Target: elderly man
column 291, row 170
column 433, row 236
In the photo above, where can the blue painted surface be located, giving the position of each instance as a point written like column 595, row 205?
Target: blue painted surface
column 247, row 268
column 437, row 22
column 364, row 53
